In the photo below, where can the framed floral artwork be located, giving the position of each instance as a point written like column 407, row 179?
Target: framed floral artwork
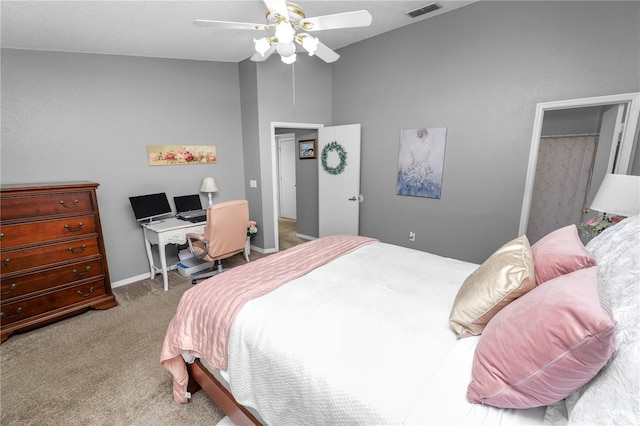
column 421, row 162
column 172, row 155
column 307, row 149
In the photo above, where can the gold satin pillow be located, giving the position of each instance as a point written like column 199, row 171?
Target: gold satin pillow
column 506, row 275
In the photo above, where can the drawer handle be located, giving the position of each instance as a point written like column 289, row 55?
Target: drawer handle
column 80, row 293
column 86, row 271
column 11, row 290
column 64, row 204
column 18, row 312
column 79, row 250
column 5, row 263
column 74, row 229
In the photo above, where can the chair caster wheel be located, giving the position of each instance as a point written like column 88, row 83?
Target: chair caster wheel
column 194, row 282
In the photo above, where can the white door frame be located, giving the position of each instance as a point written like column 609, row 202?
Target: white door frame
column 275, row 172
column 286, row 140
column 632, row 99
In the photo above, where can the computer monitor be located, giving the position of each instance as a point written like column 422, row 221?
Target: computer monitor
column 185, row 203
column 151, row 206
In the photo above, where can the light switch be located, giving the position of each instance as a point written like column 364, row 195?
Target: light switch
column 253, row 183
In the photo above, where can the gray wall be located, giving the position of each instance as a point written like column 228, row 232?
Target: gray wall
column 310, row 102
column 307, row 188
column 89, row 117
column 479, row 71
column 572, row 121
column 251, row 144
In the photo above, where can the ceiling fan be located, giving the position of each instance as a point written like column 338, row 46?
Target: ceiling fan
column 292, row 26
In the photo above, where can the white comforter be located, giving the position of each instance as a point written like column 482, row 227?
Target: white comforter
column 359, row 342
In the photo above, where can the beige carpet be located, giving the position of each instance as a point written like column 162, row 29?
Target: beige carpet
column 102, row 367
column 287, row 234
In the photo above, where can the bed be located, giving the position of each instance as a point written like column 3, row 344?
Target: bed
column 350, row 330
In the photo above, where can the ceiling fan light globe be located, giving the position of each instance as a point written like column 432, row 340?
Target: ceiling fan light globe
column 310, row 44
column 262, row 45
column 286, row 50
column 285, row 32
column 288, row 59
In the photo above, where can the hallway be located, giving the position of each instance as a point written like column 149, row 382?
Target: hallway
column 287, row 234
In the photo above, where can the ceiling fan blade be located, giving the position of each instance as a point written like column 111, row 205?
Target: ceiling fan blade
column 256, row 57
column 277, row 7
column 326, row 54
column 359, row 18
column 229, row 25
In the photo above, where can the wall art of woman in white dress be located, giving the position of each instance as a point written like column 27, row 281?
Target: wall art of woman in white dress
column 421, row 162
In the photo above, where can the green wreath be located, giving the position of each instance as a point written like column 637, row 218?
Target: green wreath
column 334, row 146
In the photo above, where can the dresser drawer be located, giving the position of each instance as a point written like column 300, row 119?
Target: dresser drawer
column 45, row 205
column 42, row 280
column 42, row 255
column 37, row 232
column 26, row 308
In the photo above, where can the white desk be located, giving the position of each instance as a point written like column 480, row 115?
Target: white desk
column 163, row 232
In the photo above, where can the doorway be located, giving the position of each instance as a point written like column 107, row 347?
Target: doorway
column 616, row 158
column 287, row 175
column 289, row 237
column 287, row 187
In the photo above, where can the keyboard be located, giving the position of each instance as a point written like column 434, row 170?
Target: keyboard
column 193, row 215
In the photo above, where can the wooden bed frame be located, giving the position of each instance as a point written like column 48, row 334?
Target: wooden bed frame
column 201, row 378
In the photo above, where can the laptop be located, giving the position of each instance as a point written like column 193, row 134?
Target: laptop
column 189, row 208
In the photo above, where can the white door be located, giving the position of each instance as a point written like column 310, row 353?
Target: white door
column 339, row 194
column 287, row 164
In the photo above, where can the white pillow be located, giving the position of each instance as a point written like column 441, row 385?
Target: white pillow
column 612, row 397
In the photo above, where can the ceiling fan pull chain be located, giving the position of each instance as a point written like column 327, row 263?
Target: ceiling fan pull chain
column 293, row 79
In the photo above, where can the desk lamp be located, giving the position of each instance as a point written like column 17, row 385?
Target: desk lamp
column 209, row 185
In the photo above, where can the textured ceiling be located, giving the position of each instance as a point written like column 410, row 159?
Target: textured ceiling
column 165, row 29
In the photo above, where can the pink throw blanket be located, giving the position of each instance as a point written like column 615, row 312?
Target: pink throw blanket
column 203, row 320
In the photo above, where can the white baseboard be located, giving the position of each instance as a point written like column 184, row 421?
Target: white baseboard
column 258, row 249
column 120, row 283
column 305, row 237
column 130, row 280
column 140, row 277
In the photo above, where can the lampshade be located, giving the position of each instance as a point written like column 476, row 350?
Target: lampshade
column 288, row 59
column 209, row 185
column 618, row 194
column 310, row 44
column 262, row 45
column 285, row 32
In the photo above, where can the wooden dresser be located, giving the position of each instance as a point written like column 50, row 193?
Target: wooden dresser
column 52, row 254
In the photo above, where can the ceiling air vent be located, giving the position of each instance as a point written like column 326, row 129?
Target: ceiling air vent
column 426, row 9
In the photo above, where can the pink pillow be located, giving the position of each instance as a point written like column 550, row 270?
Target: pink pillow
column 559, row 253
column 544, row 345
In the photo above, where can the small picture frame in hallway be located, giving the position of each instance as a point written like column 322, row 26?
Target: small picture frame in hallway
column 307, row 149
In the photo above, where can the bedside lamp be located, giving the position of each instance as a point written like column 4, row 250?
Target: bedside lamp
column 209, row 185
column 618, row 195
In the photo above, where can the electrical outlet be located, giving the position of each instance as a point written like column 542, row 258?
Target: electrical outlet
column 412, row 236
column 253, row 183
